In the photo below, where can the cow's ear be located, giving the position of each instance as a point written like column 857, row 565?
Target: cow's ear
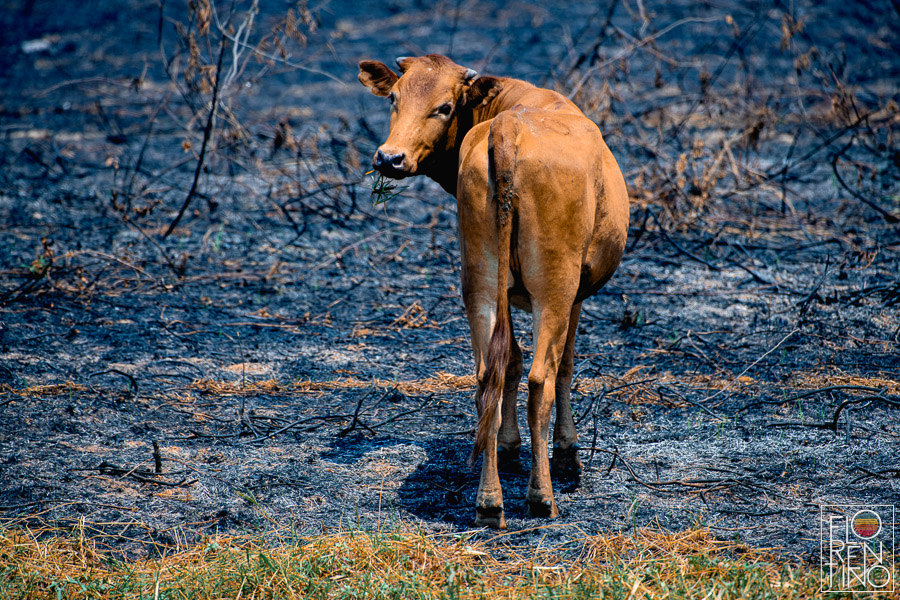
column 377, row 77
column 481, row 91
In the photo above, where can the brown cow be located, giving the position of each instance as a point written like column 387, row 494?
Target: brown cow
column 543, row 217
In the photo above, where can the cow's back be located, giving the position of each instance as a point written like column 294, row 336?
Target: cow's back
column 569, row 192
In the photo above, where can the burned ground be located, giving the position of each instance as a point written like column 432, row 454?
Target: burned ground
column 294, row 355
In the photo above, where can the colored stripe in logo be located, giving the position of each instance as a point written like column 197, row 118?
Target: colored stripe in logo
column 866, row 524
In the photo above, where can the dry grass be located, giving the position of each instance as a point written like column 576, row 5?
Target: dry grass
column 440, row 383
column 401, row 563
column 629, row 388
column 816, row 380
column 38, row 391
column 633, row 387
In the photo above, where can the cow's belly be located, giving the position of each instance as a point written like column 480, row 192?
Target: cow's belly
column 521, row 300
column 608, row 238
column 599, row 266
column 604, row 252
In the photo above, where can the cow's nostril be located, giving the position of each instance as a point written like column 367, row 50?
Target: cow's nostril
column 395, row 162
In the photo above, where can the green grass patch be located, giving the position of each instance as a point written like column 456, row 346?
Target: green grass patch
column 401, row 564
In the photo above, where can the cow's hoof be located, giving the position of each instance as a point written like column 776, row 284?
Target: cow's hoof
column 490, row 516
column 541, row 508
column 509, row 461
column 565, row 464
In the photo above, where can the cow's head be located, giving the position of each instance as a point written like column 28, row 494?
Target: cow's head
column 430, row 100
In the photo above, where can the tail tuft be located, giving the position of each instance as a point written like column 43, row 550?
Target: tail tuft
column 492, row 390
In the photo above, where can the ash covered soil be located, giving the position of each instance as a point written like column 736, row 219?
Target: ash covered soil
column 294, row 354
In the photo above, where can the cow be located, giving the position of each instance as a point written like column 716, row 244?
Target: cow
column 542, row 215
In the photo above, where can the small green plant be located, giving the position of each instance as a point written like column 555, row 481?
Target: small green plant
column 632, row 318
column 383, row 189
column 217, row 241
column 249, row 498
column 38, row 267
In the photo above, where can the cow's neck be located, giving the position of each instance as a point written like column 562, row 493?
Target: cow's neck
column 444, row 167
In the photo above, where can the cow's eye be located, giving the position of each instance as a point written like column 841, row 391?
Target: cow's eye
column 392, row 98
column 444, row 109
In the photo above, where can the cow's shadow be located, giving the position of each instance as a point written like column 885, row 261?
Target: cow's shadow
column 442, row 488
column 351, row 448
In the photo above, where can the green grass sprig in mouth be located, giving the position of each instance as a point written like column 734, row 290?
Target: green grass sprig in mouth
column 383, row 189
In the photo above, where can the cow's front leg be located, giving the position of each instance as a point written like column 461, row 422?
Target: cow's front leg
column 565, row 463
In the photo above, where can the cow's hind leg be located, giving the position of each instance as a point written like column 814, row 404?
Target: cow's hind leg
column 509, row 442
column 551, row 324
column 480, row 310
column 566, row 464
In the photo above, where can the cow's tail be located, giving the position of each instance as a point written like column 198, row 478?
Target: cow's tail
column 502, row 165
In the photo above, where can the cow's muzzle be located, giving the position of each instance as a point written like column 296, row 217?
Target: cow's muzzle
column 392, row 164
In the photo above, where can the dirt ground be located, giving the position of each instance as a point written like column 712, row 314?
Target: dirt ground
column 294, row 355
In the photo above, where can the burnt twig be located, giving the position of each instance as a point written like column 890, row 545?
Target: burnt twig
column 693, row 485
column 830, row 388
column 207, row 133
column 157, row 458
column 131, row 379
column 287, row 427
column 832, row 425
column 675, row 244
column 403, row 414
column 886, row 215
column 867, row 474
column 753, row 364
column 814, row 294
column 356, row 420
column 138, row 474
column 846, row 403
